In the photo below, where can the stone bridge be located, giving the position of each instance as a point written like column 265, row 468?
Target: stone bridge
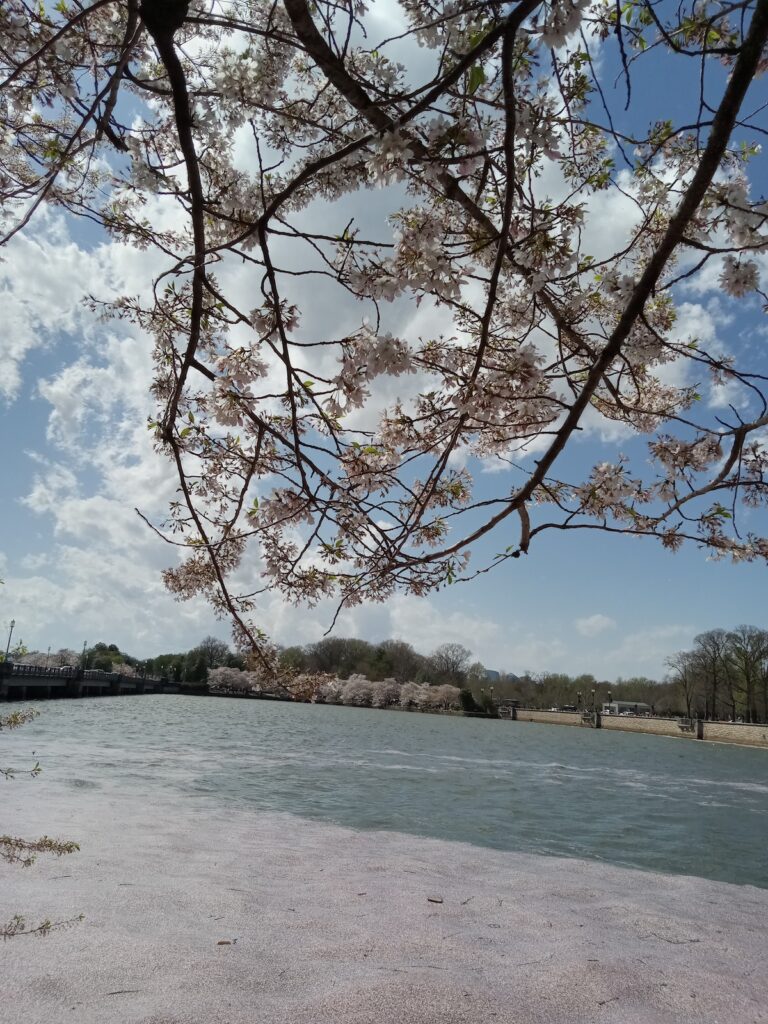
column 30, row 682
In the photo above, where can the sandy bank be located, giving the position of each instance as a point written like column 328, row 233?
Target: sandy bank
column 330, row 926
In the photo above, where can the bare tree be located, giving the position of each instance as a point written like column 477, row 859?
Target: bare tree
column 450, row 662
column 686, row 672
column 748, row 651
column 214, row 651
column 476, row 674
column 712, row 654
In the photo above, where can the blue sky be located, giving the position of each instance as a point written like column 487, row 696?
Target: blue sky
column 80, row 566
column 76, row 458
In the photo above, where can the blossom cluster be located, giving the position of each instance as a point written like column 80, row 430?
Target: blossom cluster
column 523, row 262
column 563, row 20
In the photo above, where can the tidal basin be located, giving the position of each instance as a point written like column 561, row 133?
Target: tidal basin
column 254, row 861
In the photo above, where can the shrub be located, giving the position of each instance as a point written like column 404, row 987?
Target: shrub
column 468, row 703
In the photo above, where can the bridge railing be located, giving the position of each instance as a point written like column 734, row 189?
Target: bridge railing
column 88, row 675
column 68, row 672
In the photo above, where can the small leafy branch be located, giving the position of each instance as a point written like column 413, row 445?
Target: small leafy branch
column 14, row 850
column 18, row 718
column 24, row 851
column 15, row 721
column 18, row 926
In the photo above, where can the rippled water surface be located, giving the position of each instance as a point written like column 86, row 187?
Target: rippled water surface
column 643, row 801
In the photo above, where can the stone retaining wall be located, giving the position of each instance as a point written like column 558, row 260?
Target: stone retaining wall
column 718, row 732
column 655, row 726
column 550, row 717
column 731, row 732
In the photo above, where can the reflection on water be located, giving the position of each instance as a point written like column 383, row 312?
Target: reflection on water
column 660, row 804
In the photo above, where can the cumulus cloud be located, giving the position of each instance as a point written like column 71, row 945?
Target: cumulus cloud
column 40, row 287
column 644, row 650
column 593, row 625
column 97, row 573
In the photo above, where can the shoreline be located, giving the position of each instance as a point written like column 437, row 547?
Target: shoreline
column 332, row 926
column 744, row 734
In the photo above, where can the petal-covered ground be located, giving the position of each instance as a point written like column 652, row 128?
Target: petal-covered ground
column 195, row 916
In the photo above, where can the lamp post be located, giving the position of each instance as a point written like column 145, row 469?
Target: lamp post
column 84, row 658
column 593, row 700
column 10, row 634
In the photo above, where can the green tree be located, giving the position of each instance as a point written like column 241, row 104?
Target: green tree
column 195, row 667
column 293, row 658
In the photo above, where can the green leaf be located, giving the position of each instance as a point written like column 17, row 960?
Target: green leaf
column 476, row 78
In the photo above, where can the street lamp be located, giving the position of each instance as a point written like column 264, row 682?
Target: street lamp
column 10, row 634
column 85, row 657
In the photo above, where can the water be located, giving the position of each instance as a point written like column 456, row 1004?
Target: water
column 640, row 801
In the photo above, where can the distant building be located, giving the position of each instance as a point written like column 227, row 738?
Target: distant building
column 492, row 675
column 626, row 707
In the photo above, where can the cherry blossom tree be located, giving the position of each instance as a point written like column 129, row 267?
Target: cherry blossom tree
column 330, row 692
column 418, row 695
column 445, row 696
column 39, row 659
column 231, row 679
column 357, row 690
column 385, row 692
column 483, row 324
column 306, row 686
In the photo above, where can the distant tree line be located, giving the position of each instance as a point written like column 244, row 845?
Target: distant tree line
column 190, row 667
column 725, row 675
column 583, row 692
column 395, row 659
column 325, row 688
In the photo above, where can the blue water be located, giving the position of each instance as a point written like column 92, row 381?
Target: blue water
column 641, row 801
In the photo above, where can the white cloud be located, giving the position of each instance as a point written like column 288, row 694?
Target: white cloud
column 41, row 281
column 34, row 562
column 101, row 577
column 418, row 620
column 646, row 649
column 593, row 625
